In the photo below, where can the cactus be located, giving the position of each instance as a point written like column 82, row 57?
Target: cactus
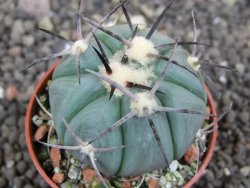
column 132, row 100
column 143, row 107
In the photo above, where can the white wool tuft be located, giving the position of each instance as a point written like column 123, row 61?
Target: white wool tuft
column 123, row 73
column 88, row 149
column 145, row 102
column 191, row 60
column 139, row 50
column 79, row 46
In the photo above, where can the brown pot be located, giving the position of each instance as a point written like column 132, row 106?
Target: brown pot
column 29, row 131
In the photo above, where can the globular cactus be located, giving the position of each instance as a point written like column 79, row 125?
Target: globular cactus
column 141, row 115
column 133, row 101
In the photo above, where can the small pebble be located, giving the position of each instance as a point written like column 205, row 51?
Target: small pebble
column 28, row 40
column 227, row 172
column 88, row 174
column 173, row 166
column 21, row 167
column 240, row 67
column 1, row 92
column 3, row 182
column 56, row 170
column 15, row 51
column 37, row 9
column 46, row 23
column 41, row 132
column 37, row 121
column 18, row 28
column 10, row 164
column 245, row 171
column 126, row 184
column 191, row 154
column 9, row 173
column 11, row 93
column 73, row 172
column 244, row 116
column 223, row 79
column 153, row 183
column 168, row 185
column 13, row 136
column 8, row 21
column 30, row 173
column 162, row 181
column 58, row 178
column 18, row 182
column 55, row 156
column 29, row 25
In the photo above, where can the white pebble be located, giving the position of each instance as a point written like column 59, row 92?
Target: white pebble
column 223, row 79
column 162, row 181
column 245, row 171
column 133, row 183
column 10, row 164
column 168, row 185
column 1, row 93
column 73, row 172
column 56, row 170
column 227, row 172
column 72, row 160
column 216, row 20
column 240, row 67
column 147, row 179
column 174, row 166
column 224, row 63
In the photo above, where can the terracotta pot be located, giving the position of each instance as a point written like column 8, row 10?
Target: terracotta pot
column 29, row 131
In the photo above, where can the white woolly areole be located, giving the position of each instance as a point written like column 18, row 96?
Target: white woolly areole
column 78, row 47
column 191, row 60
column 145, row 102
column 126, row 73
column 88, row 149
column 139, row 50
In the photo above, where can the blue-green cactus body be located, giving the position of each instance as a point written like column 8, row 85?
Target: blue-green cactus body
column 89, row 111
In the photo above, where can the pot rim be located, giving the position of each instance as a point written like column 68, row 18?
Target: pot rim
column 31, row 147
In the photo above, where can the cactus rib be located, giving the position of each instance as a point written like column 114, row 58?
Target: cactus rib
column 157, row 137
column 117, row 124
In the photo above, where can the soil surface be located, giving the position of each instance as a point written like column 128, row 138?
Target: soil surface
column 225, row 24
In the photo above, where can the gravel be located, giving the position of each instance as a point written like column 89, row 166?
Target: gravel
column 225, row 24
